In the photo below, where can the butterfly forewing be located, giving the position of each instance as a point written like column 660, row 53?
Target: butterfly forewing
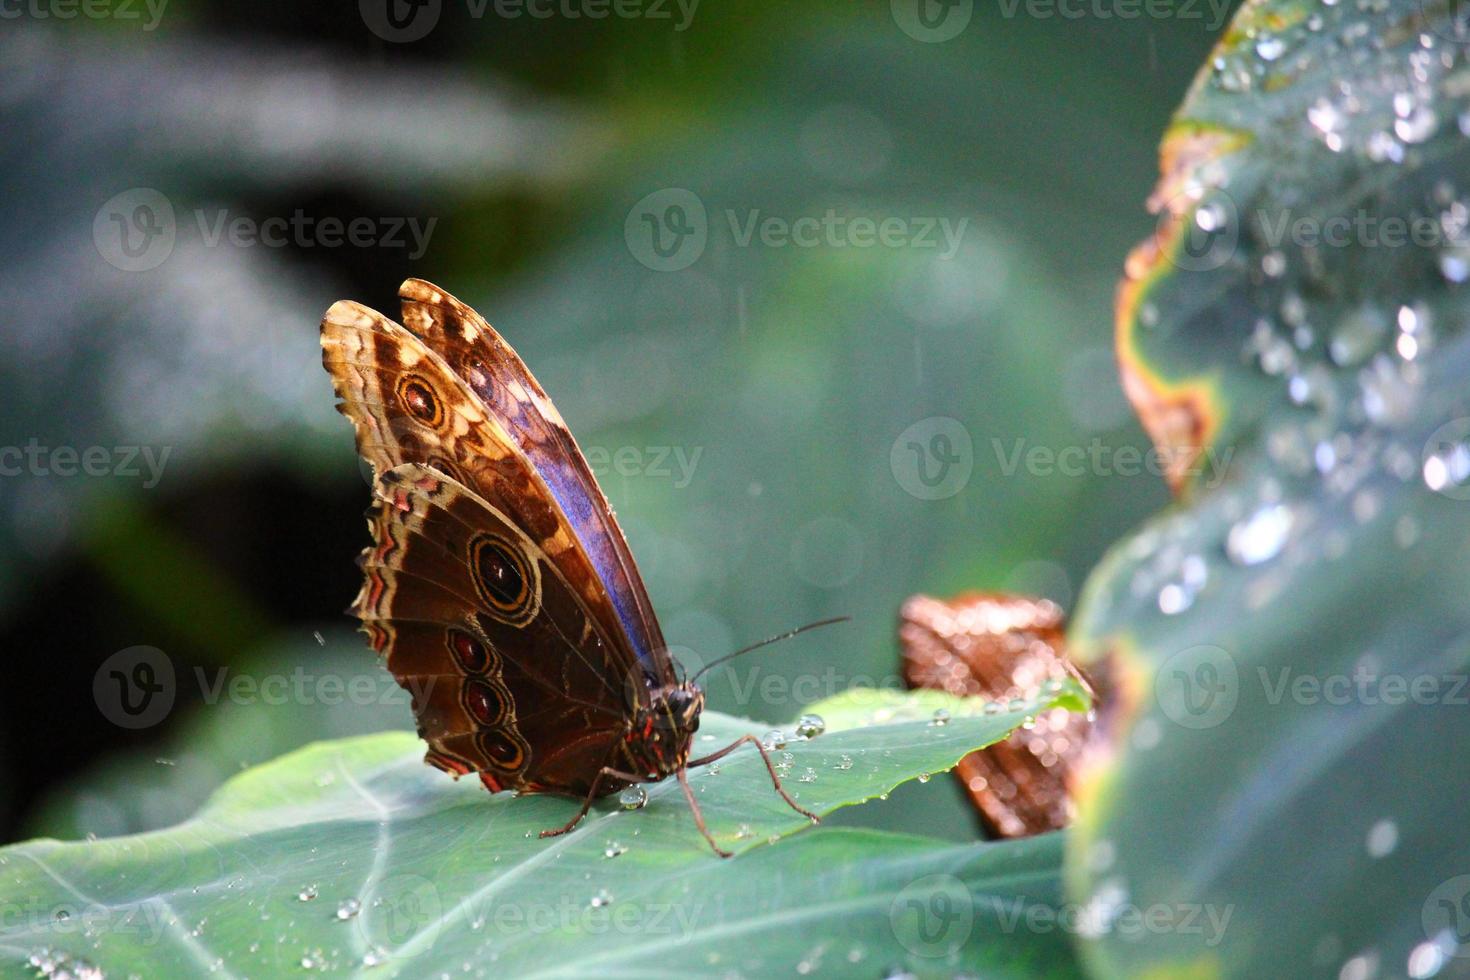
column 463, row 523
column 408, row 406
column 491, row 369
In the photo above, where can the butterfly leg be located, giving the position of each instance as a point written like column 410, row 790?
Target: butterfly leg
column 766, row 758
column 699, row 815
column 591, row 795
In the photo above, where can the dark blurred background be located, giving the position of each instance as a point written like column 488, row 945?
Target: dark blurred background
column 791, row 425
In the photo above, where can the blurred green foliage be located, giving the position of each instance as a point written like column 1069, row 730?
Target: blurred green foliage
column 790, row 371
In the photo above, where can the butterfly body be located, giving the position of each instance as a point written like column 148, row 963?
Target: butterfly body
column 499, row 587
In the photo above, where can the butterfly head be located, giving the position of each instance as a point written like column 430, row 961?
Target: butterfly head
column 664, row 729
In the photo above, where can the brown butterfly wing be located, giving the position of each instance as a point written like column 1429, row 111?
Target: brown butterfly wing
column 1000, row 647
column 488, row 365
column 460, row 599
column 409, row 407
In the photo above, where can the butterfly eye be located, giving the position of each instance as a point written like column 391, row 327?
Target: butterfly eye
column 418, row 399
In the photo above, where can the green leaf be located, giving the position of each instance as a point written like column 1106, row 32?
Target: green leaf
column 1284, row 656
column 350, row 855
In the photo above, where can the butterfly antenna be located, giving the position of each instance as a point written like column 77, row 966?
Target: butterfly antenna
column 767, row 642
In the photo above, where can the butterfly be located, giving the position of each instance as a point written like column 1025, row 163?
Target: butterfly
column 998, row 646
column 499, row 587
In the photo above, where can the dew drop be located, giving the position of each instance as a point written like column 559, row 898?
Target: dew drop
column 1259, row 537
column 1448, row 467
column 774, row 739
column 1417, row 126
column 1358, row 335
column 613, row 849
column 940, row 718
column 810, row 726
column 1454, row 265
column 1383, row 837
column 307, row 894
column 1173, row 599
column 844, row 763
column 602, row 899
column 924, row 777
column 348, row 909
column 1426, row 960
column 633, row 798
column 808, row 776
column 1360, row 967
column 1324, row 116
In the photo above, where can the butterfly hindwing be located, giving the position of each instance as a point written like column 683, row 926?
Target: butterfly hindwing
column 471, row 614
